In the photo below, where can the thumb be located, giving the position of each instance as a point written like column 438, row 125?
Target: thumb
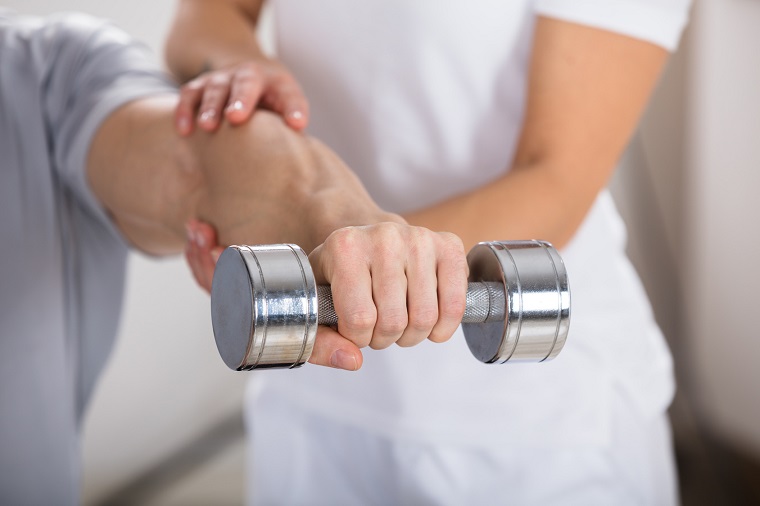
column 333, row 350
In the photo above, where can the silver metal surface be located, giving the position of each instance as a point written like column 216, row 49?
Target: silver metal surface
column 537, row 302
column 265, row 305
column 485, row 302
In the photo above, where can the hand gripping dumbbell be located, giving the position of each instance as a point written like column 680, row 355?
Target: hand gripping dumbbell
column 266, row 305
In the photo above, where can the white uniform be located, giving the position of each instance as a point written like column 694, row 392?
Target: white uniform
column 424, row 100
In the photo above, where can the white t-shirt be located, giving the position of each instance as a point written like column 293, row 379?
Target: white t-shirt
column 424, row 100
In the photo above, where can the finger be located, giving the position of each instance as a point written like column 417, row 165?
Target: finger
column 333, row 350
column 422, row 297
column 389, row 289
column 286, row 98
column 191, row 256
column 452, row 274
column 201, row 257
column 206, row 243
column 189, row 99
column 214, row 98
column 339, row 262
column 245, row 93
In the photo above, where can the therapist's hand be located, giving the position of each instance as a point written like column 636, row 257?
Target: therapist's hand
column 234, row 92
column 391, row 283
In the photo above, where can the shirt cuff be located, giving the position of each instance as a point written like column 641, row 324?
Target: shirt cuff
column 657, row 21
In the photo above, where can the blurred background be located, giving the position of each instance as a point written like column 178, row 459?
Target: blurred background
column 165, row 425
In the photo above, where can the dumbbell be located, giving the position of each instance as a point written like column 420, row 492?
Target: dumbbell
column 266, row 305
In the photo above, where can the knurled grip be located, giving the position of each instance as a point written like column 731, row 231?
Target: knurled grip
column 485, row 303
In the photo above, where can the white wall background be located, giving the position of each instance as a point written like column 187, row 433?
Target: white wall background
column 721, row 288
column 689, row 188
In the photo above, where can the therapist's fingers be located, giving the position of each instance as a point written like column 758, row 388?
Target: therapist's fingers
column 333, row 350
column 215, row 94
column 190, row 96
column 285, row 97
column 235, row 92
column 245, row 92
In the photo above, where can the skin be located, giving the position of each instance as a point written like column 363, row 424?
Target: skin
column 586, row 91
column 262, row 182
column 240, row 76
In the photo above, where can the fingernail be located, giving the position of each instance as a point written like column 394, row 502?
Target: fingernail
column 296, row 114
column 237, row 105
column 215, row 254
column 200, row 240
column 343, row 360
column 207, row 116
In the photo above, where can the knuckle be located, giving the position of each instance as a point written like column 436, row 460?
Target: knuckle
column 359, row 320
column 216, row 86
column 423, row 319
column 247, row 69
column 456, row 258
column 193, row 86
column 422, row 243
column 343, row 242
column 388, row 240
column 392, row 322
column 452, row 244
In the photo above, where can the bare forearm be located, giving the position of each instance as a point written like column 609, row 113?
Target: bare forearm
column 587, row 89
column 527, row 203
column 209, row 34
column 144, row 174
column 265, row 183
column 256, row 183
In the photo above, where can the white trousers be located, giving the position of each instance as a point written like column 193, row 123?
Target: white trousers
column 299, row 458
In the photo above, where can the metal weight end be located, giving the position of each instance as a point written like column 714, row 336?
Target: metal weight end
column 231, row 308
column 537, row 313
column 264, row 307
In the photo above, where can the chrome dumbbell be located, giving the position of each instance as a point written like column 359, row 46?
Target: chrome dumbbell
column 266, row 306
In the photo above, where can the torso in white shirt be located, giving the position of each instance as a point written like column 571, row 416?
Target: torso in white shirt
column 424, row 100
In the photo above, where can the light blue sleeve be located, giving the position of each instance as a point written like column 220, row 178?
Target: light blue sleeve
column 91, row 68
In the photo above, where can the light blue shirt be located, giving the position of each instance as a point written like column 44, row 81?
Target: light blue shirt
column 62, row 261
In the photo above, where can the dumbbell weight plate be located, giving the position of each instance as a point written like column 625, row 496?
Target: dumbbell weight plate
column 264, row 307
column 537, row 317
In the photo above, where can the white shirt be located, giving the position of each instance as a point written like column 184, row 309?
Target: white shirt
column 424, row 100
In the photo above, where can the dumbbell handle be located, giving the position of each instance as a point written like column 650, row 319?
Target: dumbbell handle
column 486, row 302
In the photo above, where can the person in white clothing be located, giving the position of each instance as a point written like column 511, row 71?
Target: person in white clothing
column 495, row 121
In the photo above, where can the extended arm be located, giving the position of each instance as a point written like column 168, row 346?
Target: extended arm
column 257, row 183
column 264, row 183
column 587, row 89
